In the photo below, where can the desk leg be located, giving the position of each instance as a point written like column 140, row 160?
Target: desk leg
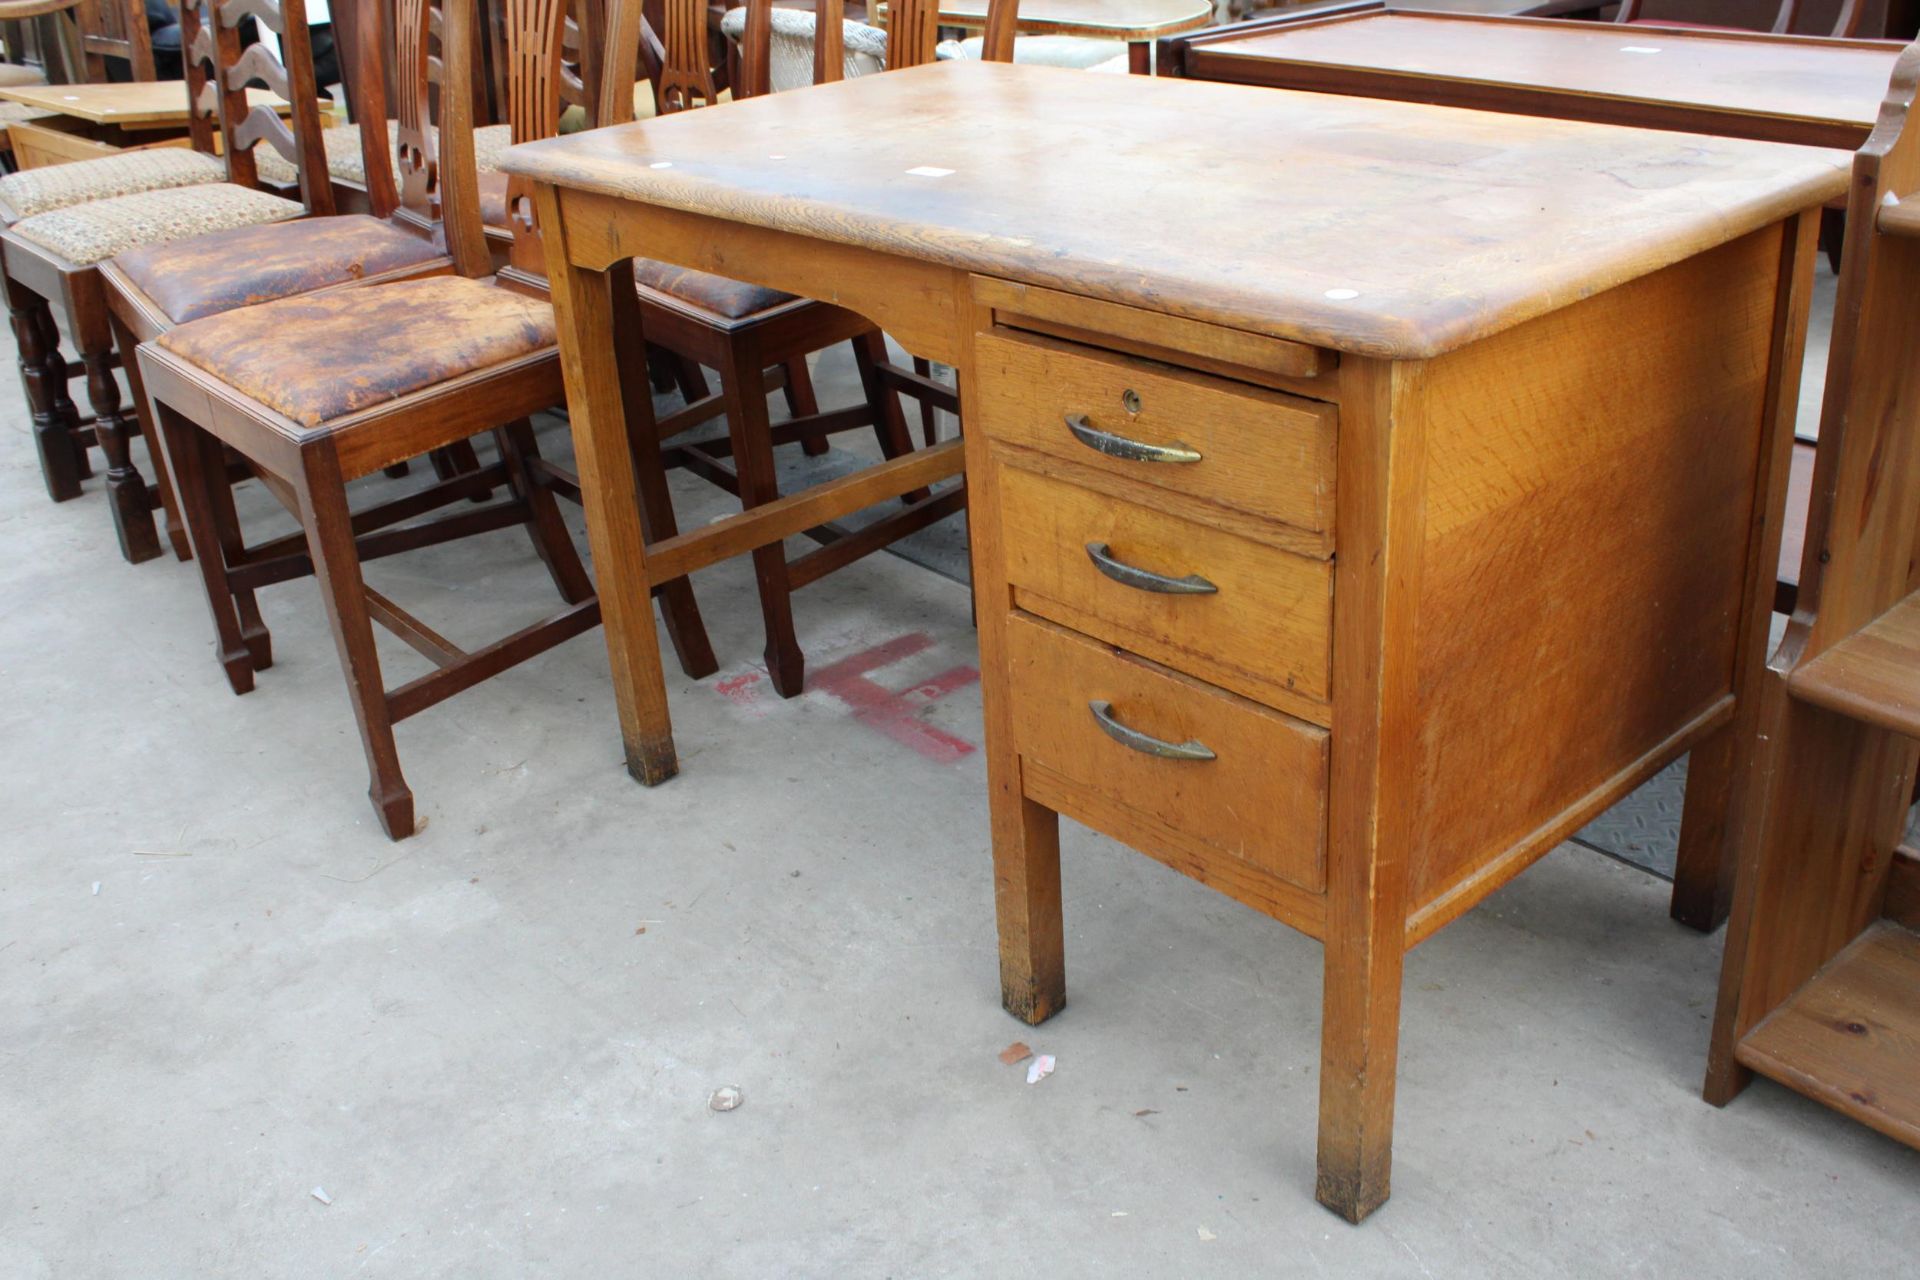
column 1703, row 869
column 584, row 315
column 1140, row 57
column 1381, row 481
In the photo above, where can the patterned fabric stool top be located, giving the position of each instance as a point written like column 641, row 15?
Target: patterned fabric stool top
column 57, row 186
column 88, row 233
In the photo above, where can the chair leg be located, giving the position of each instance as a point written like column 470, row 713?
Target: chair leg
column 745, row 388
column 322, row 496
column 802, row 403
column 233, row 546
column 691, row 377
column 458, row 459
column 127, row 345
column 62, row 463
column 929, row 416
column 889, row 424
column 126, row 487
column 551, row 541
column 188, row 450
column 59, row 371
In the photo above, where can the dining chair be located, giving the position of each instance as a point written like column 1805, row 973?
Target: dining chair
column 741, row 331
column 320, row 389
column 1846, row 21
column 1820, row 979
column 154, row 287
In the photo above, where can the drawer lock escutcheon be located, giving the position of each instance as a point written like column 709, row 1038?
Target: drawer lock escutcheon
column 1146, row 743
column 1120, row 447
column 1146, row 579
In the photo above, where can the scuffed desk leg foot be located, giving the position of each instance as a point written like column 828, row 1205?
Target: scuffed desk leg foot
column 1026, row 890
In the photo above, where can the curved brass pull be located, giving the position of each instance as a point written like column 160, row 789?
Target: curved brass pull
column 1145, row 743
column 1146, row 579
column 1121, row 447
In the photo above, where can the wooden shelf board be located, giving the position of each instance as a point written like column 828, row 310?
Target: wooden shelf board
column 1872, row 675
column 1851, row 1036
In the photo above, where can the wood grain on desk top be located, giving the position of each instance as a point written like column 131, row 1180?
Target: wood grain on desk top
column 1384, row 228
column 1841, row 81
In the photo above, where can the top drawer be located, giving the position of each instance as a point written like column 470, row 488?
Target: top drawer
column 1261, row 452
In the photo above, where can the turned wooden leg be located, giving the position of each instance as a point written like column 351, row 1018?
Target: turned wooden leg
column 198, row 466
column 322, row 495
column 802, row 403
column 551, row 541
column 1026, row 903
column 744, row 386
column 126, row 487
column 61, row 463
column 889, row 424
column 59, row 374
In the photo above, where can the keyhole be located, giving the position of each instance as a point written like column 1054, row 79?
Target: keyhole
column 1130, row 400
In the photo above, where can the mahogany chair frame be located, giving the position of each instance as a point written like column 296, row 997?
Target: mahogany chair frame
column 781, row 337
column 1817, row 990
column 308, row 468
column 1846, row 22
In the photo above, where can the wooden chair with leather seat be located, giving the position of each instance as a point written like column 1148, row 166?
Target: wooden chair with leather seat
column 317, row 390
column 741, row 331
column 55, row 255
column 155, row 287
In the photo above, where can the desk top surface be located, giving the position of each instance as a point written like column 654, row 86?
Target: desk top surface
column 1382, row 228
column 1114, row 19
column 1790, row 77
column 140, row 102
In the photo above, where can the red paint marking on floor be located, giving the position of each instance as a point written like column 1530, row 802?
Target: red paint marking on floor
column 896, row 714
column 741, row 690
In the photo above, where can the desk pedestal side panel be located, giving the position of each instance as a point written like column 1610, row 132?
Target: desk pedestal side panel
column 1590, row 495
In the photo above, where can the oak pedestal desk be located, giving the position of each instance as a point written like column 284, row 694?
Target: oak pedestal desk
column 1364, row 494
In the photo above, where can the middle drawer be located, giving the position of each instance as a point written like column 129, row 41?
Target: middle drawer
column 1139, row 578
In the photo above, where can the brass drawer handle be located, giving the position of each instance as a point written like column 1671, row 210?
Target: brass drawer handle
column 1146, row 579
column 1121, row 447
column 1143, row 742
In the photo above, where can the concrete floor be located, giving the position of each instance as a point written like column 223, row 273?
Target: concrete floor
column 493, row 1046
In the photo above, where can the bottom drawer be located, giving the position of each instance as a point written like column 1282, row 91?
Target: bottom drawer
column 1144, row 740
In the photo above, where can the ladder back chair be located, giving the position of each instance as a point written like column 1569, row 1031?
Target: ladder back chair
column 1846, row 21
column 152, row 288
column 1820, row 983
column 317, row 390
column 741, row 331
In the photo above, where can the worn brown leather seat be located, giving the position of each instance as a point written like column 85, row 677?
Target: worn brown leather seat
column 206, row 275
column 322, row 356
column 729, row 299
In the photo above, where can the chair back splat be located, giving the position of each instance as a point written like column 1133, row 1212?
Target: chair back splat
column 247, row 125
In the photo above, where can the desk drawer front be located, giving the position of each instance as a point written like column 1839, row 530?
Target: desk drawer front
column 1261, row 452
column 1222, row 607
column 1135, row 737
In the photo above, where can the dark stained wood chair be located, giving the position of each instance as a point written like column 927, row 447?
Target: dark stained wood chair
column 317, row 390
column 154, row 287
column 53, row 257
column 742, row 331
column 1820, row 982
